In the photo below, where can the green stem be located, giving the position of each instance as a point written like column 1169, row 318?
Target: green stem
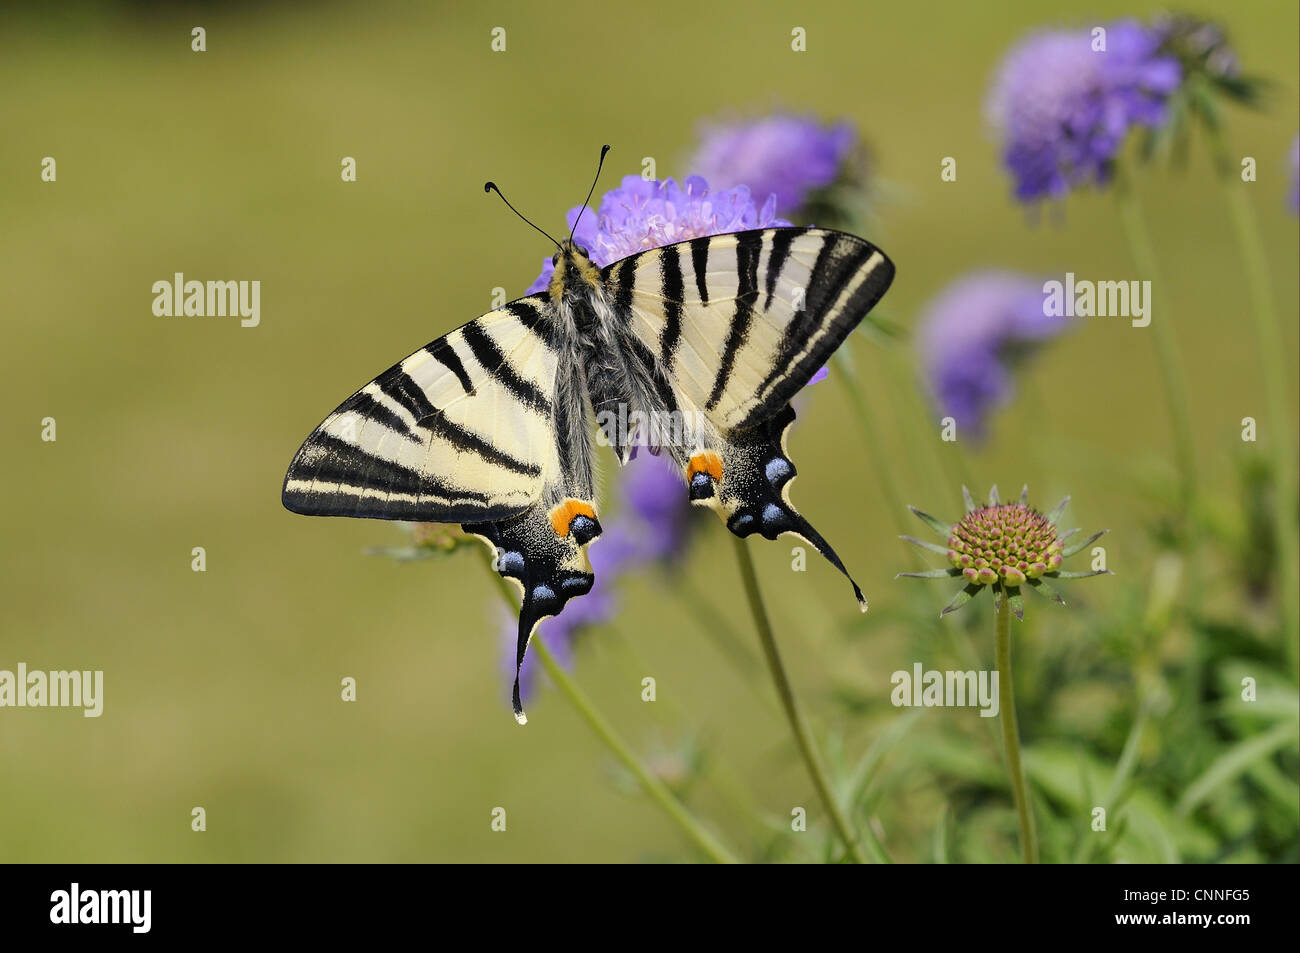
column 875, row 450
column 1272, row 362
column 1171, row 375
column 802, row 735
column 1011, row 734
column 657, row 790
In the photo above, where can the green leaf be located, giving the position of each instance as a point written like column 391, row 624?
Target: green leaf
column 962, row 597
column 1016, row 601
column 1077, row 547
column 930, row 574
column 1044, row 590
column 940, row 527
column 932, row 547
column 1233, row 762
column 941, row 836
column 1057, row 511
column 968, row 499
column 994, row 500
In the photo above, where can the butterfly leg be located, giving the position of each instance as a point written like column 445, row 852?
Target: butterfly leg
column 746, row 480
column 544, row 551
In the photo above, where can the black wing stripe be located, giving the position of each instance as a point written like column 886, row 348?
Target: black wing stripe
column 487, row 353
column 749, row 245
column 444, row 352
column 468, row 442
column 672, row 289
column 342, row 462
column 700, row 262
column 398, row 385
column 782, row 239
column 370, row 409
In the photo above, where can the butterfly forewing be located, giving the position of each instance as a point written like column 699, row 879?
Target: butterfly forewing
column 741, row 322
column 459, row 431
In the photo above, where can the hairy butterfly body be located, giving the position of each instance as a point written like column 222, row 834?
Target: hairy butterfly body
column 491, row 425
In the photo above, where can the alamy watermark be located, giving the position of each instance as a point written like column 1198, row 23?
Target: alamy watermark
column 208, row 299
column 656, row 428
column 57, row 689
column 935, row 689
column 1086, row 299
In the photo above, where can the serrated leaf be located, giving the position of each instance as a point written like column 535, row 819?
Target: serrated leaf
column 962, row 597
column 932, row 547
column 1057, row 511
column 930, row 574
column 1078, row 547
column 968, row 499
column 940, row 527
column 1017, row 602
column 1044, row 590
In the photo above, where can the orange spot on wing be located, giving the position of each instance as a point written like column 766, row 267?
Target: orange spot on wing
column 562, row 515
column 707, row 462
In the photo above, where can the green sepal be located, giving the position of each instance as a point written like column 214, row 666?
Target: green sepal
column 968, row 499
column 932, row 547
column 994, row 500
column 1016, row 601
column 1057, row 511
column 940, row 527
column 1044, row 590
column 1077, row 547
column 1024, row 495
column 959, row 600
column 929, row 574
column 1079, row 575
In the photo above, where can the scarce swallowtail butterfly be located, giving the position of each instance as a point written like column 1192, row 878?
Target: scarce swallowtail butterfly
column 491, row 426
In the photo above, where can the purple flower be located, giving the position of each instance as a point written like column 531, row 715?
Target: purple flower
column 970, row 334
column 642, row 214
column 658, row 515
column 1295, row 175
column 1063, row 109
column 783, row 155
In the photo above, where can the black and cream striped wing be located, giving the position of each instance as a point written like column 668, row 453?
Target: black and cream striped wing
column 459, row 432
column 741, row 322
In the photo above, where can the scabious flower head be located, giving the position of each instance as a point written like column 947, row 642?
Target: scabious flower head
column 782, row 154
column 1063, row 109
column 641, row 214
column 1005, row 546
column 970, row 335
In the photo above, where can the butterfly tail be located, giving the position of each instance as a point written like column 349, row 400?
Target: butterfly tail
column 544, row 550
column 749, row 485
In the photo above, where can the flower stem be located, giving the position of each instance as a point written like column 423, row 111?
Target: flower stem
column 655, row 788
column 802, row 735
column 1171, row 375
column 1272, row 363
column 1011, row 734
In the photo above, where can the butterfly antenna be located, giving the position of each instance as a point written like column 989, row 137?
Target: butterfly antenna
column 492, row 187
column 590, row 192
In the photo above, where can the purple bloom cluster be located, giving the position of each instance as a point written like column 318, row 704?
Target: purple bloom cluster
column 1295, row 175
column 781, row 154
column 970, row 334
column 1063, row 109
column 642, row 214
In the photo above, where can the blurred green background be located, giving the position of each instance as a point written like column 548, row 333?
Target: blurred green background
column 222, row 688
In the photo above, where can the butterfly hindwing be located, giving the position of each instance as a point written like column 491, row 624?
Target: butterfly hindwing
column 460, row 431
column 741, row 322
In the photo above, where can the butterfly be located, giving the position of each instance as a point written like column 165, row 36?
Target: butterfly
column 491, row 426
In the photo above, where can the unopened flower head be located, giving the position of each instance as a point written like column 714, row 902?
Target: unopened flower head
column 1003, row 546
